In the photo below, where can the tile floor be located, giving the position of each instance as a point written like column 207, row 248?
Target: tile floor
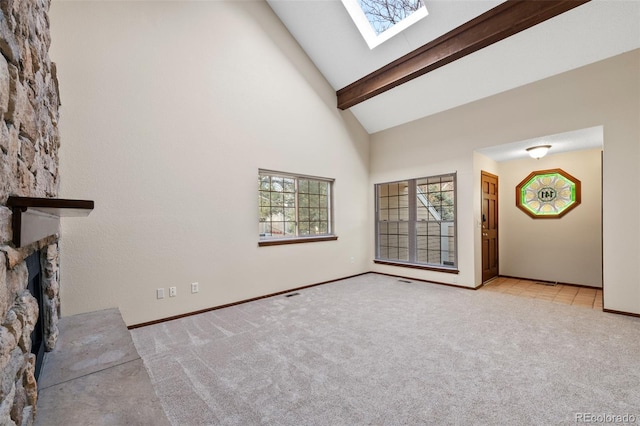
column 559, row 293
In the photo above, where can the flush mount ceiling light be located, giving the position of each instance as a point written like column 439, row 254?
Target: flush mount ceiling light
column 539, row 151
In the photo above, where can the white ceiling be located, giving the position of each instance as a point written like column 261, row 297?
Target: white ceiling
column 591, row 32
column 590, row 138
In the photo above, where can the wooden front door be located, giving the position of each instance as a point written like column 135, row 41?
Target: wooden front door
column 489, row 226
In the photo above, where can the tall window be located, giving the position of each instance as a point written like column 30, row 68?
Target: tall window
column 416, row 222
column 293, row 206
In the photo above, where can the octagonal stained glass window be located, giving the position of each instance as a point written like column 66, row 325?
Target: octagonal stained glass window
column 548, row 194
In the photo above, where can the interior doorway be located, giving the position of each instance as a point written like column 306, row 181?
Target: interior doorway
column 490, row 253
column 567, row 250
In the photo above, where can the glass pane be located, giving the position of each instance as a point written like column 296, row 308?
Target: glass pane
column 277, row 228
column 264, row 183
column 277, row 183
column 447, row 213
column 433, row 243
column 314, row 214
column 303, row 228
column 290, row 214
column 403, row 228
column 277, row 199
column 403, row 254
column 421, row 243
column 303, row 186
column 303, row 200
column 324, row 228
column 304, row 214
column 324, row 201
column 447, row 198
column 314, row 200
column 383, row 203
column 313, row 187
column 393, row 202
column 289, row 200
column 314, row 228
column 264, row 213
column 433, row 228
column 289, row 185
column 290, row 229
column 323, row 188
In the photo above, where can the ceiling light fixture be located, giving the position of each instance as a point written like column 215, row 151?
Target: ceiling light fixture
column 539, row 151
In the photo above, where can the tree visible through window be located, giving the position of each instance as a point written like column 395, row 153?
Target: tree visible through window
column 383, row 14
column 292, row 206
column 379, row 20
column 415, row 221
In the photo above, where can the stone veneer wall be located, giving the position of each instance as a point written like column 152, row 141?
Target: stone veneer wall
column 29, row 143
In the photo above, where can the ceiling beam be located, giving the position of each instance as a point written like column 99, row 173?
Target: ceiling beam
column 501, row 22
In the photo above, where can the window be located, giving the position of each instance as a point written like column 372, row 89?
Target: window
column 294, row 208
column 548, row 194
column 379, row 20
column 416, row 222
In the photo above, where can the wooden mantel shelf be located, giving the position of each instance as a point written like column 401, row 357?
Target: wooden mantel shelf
column 37, row 218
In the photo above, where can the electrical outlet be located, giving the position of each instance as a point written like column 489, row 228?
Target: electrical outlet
column 173, row 291
column 195, row 287
column 160, row 293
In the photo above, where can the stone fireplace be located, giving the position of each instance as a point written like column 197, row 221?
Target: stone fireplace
column 29, row 143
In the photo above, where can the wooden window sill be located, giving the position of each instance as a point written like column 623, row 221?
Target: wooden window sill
column 416, row 266
column 283, row 241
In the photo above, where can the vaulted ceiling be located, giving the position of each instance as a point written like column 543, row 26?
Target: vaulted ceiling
column 591, row 32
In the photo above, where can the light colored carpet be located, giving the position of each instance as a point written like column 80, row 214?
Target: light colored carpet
column 373, row 350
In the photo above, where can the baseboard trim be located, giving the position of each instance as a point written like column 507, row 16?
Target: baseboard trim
column 201, row 311
column 253, row 299
column 547, row 281
column 427, row 281
column 629, row 314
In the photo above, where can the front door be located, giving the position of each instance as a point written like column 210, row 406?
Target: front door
column 489, row 226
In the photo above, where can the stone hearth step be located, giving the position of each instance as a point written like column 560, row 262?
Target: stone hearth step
column 95, row 376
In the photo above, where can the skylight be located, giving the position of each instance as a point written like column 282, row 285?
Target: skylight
column 379, row 20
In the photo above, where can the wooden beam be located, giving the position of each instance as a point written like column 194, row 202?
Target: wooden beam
column 501, row 22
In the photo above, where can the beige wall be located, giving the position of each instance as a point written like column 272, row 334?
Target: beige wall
column 568, row 249
column 168, row 111
column 605, row 93
column 170, row 108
